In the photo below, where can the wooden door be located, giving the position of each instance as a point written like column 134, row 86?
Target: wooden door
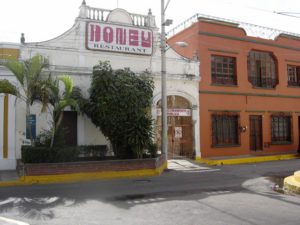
column 255, row 133
column 69, row 124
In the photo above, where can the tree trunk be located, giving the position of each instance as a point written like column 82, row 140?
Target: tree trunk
column 29, row 123
column 55, row 127
column 52, row 133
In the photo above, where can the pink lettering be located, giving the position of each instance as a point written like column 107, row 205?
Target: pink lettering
column 108, row 34
column 146, row 42
column 121, row 36
column 95, row 33
column 133, row 37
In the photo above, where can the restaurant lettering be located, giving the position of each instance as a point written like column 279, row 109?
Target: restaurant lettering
column 117, row 38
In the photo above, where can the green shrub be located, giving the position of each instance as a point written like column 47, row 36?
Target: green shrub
column 42, row 154
column 119, row 103
column 44, row 138
column 92, row 151
column 152, row 147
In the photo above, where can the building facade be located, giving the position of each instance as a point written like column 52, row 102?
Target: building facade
column 125, row 40
column 249, row 92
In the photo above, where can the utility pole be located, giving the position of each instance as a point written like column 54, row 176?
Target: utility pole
column 164, row 124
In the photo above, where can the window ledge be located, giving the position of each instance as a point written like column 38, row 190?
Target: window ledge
column 264, row 88
column 281, row 143
column 225, row 85
column 226, row 146
column 293, row 86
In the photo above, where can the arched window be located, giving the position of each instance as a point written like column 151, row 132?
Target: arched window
column 262, row 71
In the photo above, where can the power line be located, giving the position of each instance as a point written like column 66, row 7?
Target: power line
column 288, row 14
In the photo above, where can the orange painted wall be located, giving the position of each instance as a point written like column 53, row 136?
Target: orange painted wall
column 209, row 38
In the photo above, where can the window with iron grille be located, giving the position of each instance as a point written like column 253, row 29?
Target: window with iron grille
column 281, row 128
column 262, row 71
column 223, row 70
column 225, row 129
column 293, row 75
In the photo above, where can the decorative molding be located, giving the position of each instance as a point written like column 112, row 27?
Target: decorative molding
column 247, row 94
column 264, row 88
column 223, row 110
column 246, row 40
column 224, row 85
column 293, row 61
column 223, row 51
column 270, row 111
column 225, row 146
column 255, row 111
column 291, row 86
column 281, row 143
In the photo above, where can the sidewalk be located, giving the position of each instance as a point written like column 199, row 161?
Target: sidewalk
column 246, row 159
column 9, row 176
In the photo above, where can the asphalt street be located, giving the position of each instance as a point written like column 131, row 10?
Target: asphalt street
column 186, row 193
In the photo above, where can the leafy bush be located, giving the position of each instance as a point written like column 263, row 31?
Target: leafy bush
column 44, row 138
column 42, row 154
column 152, row 147
column 92, row 151
column 119, row 103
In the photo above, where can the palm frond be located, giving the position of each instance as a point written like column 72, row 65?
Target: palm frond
column 34, row 67
column 16, row 67
column 8, row 88
column 68, row 82
column 67, row 102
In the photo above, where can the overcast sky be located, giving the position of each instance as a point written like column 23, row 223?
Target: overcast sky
column 41, row 20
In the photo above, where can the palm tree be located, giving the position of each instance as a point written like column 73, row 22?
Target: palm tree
column 59, row 101
column 28, row 74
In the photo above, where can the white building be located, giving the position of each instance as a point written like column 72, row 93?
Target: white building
column 126, row 40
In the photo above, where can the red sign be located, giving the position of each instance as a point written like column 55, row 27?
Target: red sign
column 176, row 112
column 178, row 132
column 118, row 38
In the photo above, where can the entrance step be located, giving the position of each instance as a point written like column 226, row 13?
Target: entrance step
column 184, row 165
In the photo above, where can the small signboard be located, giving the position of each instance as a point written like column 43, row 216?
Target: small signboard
column 178, row 132
column 33, row 126
column 176, row 112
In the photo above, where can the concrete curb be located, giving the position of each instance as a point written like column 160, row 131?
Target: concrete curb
column 77, row 177
column 253, row 159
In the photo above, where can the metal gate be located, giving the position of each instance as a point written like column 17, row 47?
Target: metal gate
column 180, row 137
column 180, row 127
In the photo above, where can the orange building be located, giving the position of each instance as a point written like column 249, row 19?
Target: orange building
column 249, row 94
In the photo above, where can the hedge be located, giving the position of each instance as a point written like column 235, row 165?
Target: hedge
column 42, row 154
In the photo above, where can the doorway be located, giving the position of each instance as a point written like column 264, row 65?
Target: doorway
column 180, row 128
column 255, row 133
column 69, row 124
